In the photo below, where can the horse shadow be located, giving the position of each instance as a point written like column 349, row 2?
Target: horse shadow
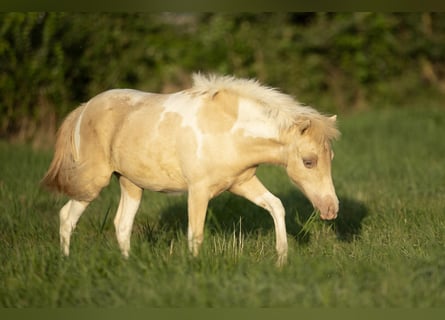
column 229, row 214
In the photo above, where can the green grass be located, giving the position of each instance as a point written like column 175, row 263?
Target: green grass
column 386, row 249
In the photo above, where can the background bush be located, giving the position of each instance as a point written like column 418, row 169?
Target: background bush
column 341, row 62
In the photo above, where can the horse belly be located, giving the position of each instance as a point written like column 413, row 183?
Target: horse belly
column 152, row 175
column 148, row 156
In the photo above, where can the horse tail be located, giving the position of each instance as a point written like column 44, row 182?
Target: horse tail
column 65, row 161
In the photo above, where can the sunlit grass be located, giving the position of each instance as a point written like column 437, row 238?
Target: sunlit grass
column 385, row 249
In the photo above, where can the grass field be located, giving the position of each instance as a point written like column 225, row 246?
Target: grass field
column 386, row 249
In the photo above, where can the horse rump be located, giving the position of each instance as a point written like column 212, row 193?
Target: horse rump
column 62, row 169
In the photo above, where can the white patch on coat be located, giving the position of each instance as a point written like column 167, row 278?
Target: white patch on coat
column 187, row 107
column 252, row 120
column 275, row 207
column 76, row 137
column 124, row 220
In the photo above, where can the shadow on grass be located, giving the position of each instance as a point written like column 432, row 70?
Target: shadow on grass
column 228, row 213
column 348, row 224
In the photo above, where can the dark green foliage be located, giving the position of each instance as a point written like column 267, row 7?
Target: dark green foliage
column 50, row 62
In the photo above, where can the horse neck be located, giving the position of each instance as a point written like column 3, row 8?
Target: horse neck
column 262, row 151
column 284, row 146
column 274, row 150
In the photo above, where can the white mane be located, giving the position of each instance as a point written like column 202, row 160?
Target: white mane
column 279, row 107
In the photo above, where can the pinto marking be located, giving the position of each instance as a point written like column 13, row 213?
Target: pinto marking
column 76, row 136
column 253, row 122
column 187, row 107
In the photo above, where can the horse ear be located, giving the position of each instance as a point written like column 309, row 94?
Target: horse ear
column 333, row 118
column 304, row 125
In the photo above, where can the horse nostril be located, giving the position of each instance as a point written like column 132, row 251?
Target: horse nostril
column 330, row 213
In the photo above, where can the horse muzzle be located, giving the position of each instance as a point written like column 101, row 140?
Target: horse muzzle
column 328, row 207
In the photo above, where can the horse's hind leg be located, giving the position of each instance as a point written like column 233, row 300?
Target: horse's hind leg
column 73, row 209
column 69, row 215
column 128, row 206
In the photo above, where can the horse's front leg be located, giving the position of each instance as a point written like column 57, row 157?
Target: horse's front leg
column 198, row 200
column 254, row 191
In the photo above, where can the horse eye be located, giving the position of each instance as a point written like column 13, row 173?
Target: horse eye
column 309, row 163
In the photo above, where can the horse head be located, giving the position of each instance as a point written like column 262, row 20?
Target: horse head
column 309, row 162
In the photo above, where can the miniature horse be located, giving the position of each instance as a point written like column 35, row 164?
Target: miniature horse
column 203, row 141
